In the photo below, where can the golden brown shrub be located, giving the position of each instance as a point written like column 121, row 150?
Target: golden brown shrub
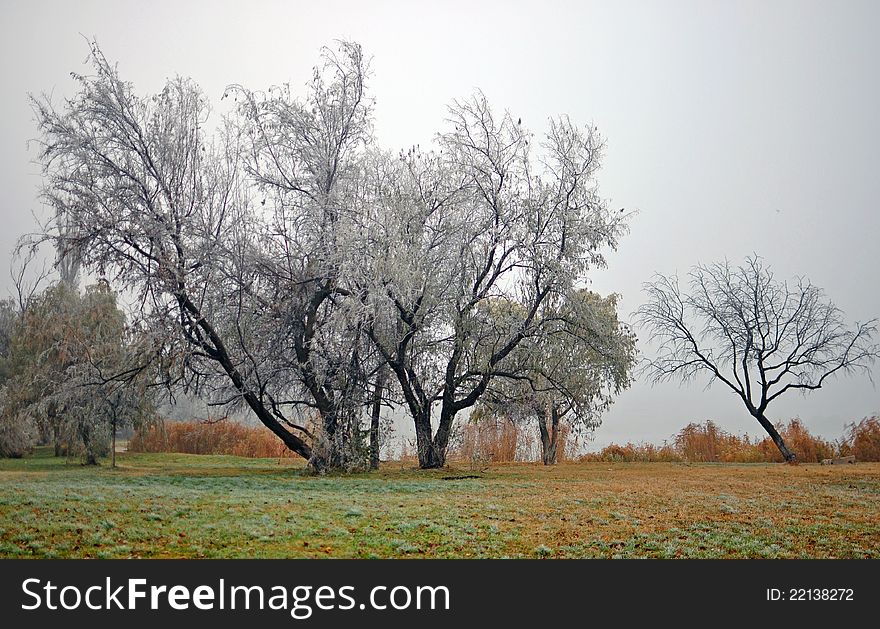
column 806, row 447
column 634, row 452
column 709, row 443
column 222, row 437
column 863, row 439
column 493, row 440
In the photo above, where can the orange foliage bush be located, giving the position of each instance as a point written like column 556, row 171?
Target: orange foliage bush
column 707, row 442
column 634, row 452
column 806, row 447
column 223, row 437
column 492, row 440
column 863, row 439
column 503, row 441
column 498, row 440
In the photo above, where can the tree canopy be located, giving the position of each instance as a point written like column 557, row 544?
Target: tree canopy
column 284, row 260
column 569, row 375
column 75, row 373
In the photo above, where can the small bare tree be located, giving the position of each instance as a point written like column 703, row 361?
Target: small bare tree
column 761, row 337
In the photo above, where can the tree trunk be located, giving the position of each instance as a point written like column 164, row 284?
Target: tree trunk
column 327, row 451
column 441, row 439
column 374, row 420
column 56, row 438
column 549, row 435
column 432, row 451
column 787, row 454
column 85, row 435
column 113, row 443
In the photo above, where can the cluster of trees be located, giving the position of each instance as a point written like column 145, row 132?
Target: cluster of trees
column 285, row 263
column 288, row 264
column 68, row 372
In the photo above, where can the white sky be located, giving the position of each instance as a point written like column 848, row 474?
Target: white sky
column 732, row 127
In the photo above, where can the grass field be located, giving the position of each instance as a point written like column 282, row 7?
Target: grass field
column 177, row 505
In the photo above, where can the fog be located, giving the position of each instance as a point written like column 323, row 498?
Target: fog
column 731, row 128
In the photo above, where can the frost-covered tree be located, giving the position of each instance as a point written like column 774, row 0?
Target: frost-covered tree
column 74, row 375
column 17, row 435
column 568, row 375
column 476, row 220
column 234, row 244
column 283, row 263
column 300, row 156
column 147, row 199
column 41, row 351
column 110, row 385
column 8, row 320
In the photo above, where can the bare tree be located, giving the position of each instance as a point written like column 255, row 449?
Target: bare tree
column 760, row 337
column 28, row 279
column 376, row 415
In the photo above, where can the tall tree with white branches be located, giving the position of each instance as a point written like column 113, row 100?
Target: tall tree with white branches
column 289, row 263
column 474, row 221
column 143, row 196
column 300, row 157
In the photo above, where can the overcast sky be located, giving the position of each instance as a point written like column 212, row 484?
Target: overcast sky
column 731, row 127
